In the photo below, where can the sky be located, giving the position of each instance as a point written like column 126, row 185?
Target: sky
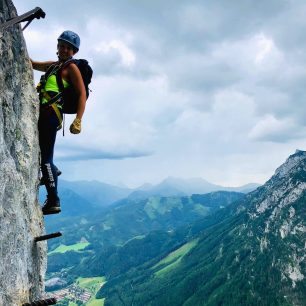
column 210, row 89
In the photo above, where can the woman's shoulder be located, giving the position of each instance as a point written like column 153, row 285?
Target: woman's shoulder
column 71, row 73
column 71, row 66
column 72, row 69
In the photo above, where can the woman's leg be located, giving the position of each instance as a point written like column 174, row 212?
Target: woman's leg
column 47, row 126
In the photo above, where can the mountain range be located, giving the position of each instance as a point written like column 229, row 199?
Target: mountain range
column 100, row 195
column 250, row 253
column 221, row 248
column 185, row 187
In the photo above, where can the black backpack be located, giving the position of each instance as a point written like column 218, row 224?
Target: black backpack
column 69, row 97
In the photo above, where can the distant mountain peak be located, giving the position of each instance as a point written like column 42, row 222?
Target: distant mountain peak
column 292, row 161
column 284, row 188
column 172, row 179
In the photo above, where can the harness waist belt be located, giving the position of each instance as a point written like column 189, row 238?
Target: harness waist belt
column 50, row 100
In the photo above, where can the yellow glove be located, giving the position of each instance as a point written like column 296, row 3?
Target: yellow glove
column 75, row 127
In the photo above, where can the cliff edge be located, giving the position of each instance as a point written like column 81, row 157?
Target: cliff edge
column 23, row 262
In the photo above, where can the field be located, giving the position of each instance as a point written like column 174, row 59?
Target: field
column 74, row 247
column 92, row 283
column 174, row 258
column 95, row 302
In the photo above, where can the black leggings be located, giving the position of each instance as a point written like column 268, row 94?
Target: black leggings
column 48, row 123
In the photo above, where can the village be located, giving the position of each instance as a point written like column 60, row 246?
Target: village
column 73, row 293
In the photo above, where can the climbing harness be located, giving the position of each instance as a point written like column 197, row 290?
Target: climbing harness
column 65, row 101
column 53, row 100
column 29, row 16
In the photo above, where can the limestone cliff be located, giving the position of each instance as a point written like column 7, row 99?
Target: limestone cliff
column 22, row 261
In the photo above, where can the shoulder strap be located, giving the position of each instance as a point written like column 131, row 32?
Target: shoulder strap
column 52, row 69
column 59, row 78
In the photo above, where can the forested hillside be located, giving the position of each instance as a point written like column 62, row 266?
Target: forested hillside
column 128, row 234
column 250, row 253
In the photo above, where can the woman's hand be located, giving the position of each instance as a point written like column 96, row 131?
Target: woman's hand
column 41, row 66
column 75, row 127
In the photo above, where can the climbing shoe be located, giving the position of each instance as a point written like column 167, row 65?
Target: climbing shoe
column 51, row 206
column 43, row 181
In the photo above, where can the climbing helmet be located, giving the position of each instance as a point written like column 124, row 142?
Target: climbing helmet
column 71, row 38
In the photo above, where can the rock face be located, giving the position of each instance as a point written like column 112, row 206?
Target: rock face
column 23, row 262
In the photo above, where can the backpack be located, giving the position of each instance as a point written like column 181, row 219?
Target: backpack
column 69, row 97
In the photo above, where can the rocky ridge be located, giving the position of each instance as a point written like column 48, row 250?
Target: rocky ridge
column 281, row 212
column 23, row 262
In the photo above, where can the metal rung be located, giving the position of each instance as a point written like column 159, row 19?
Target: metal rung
column 29, row 16
column 46, row 302
column 49, row 236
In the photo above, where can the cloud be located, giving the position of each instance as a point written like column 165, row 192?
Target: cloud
column 124, row 115
column 272, row 129
column 126, row 55
column 113, row 57
column 207, row 88
column 200, row 73
column 75, row 153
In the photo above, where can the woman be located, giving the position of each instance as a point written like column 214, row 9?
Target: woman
column 50, row 116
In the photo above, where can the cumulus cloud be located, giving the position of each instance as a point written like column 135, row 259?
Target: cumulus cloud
column 197, row 88
column 272, row 129
column 113, row 57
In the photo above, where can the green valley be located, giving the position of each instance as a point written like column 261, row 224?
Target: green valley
column 221, row 248
column 127, row 235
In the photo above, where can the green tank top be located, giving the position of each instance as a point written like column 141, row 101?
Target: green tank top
column 51, row 85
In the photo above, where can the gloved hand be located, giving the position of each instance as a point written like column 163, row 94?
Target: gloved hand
column 75, row 127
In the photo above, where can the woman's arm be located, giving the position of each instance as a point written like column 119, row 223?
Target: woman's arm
column 76, row 80
column 41, row 66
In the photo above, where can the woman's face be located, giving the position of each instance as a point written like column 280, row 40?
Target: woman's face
column 65, row 50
